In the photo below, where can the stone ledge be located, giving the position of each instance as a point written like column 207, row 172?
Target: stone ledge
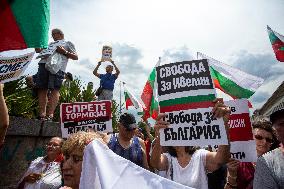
column 32, row 127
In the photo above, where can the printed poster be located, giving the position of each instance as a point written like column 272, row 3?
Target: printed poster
column 11, row 68
column 185, row 94
column 84, row 116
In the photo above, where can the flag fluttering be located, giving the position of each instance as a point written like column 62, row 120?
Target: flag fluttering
column 149, row 95
column 24, row 24
column 130, row 99
column 277, row 42
column 230, row 80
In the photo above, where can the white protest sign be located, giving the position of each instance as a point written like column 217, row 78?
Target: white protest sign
column 243, row 147
column 11, row 68
column 84, row 116
column 185, row 94
column 194, row 127
column 106, row 53
column 50, row 49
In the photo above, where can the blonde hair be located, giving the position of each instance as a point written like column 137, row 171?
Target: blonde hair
column 79, row 141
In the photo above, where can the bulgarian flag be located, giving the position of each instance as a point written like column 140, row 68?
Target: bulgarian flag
column 277, row 42
column 149, row 95
column 232, row 81
column 24, row 24
column 130, row 99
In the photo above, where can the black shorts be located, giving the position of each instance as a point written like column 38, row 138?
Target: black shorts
column 47, row 80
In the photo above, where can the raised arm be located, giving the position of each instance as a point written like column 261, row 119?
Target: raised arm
column 4, row 117
column 215, row 159
column 69, row 54
column 147, row 128
column 158, row 160
column 145, row 162
column 117, row 72
column 95, row 72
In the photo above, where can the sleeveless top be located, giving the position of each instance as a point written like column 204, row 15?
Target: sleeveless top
column 193, row 175
column 133, row 153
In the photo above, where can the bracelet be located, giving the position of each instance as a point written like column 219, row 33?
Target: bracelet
column 231, row 186
column 66, row 53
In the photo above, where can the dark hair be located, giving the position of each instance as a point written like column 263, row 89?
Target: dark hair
column 263, row 124
column 69, row 76
column 189, row 149
column 266, row 125
column 276, row 115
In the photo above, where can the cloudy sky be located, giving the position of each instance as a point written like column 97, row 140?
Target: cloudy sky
column 140, row 31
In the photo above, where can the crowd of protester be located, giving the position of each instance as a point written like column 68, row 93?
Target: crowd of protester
column 192, row 166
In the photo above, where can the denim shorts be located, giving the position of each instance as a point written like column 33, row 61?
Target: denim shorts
column 47, row 80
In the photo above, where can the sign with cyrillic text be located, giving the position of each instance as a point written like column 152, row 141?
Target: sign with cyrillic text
column 84, row 116
column 243, row 147
column 185, row 94
column 11, row 68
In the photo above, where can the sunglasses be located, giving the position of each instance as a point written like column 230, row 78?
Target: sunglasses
column 52, row 145
column 267, row 139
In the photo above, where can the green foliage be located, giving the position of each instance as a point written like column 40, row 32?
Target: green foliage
column 19, row 99
column 22, row 103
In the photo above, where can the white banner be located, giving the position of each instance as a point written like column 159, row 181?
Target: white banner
column 102, row 168
column 193, row 127
column 11, row 68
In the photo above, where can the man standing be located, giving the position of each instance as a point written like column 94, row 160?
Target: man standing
column 46, row 80
column 106, row 80
column 126, row 144
column 269, row 171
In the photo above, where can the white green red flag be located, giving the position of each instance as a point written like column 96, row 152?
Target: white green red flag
column 24, row 24
column 130, row 99
column 277, row 42
column 149, row 95
column 230, row 80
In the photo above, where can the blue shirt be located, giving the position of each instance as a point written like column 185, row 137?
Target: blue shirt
column 133, row 153
column 107, row 81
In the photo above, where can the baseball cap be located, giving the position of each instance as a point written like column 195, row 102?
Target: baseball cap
column 277, row 112
column 128, row 121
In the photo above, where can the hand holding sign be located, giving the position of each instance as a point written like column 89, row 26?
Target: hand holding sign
column 233, row 167
column 160, row 124
column 221, row 110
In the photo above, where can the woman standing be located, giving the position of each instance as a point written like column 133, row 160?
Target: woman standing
column 241, row 174
column 189, row 165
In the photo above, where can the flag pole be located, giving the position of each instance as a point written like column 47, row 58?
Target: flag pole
column 119, row 97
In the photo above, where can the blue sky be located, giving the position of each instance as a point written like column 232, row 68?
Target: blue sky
column 140, row 31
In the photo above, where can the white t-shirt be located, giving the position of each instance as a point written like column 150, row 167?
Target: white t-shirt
column 51, row 174
column 69, row 46
column 194, row 174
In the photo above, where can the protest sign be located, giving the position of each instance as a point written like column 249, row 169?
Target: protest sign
column 84, row 116
column 50, row 49
column 243, row 147
column 185, row 94
column 106, row 53
column 12, row 67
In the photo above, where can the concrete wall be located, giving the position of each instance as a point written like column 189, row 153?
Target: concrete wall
column 24, row 142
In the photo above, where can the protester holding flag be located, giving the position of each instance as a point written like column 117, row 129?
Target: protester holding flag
column 240, row 174
column 270, row 166
column 189, row 165
column 107, row 81
column 4, row 117
column 48, row 80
